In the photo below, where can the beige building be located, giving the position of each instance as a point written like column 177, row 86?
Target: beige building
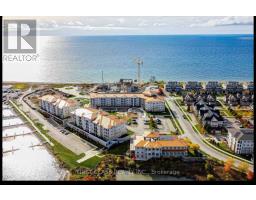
column 156, row 145
column 57, row 105
column 127, row 100
column 98, row 124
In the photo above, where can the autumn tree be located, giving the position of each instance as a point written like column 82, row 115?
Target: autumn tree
column 250, row 175
column 194, row 147
column 228, row 164
column 243, row 167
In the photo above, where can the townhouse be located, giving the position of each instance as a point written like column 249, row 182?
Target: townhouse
column 238, row 99
column 209, row 115
column 234, row 87
column 193, row 85
column 250, row 86
column 173, row 86
column 214, row 87
column 241, row 141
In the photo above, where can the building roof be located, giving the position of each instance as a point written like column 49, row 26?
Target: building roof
column 59, row 101
column 153, row 99
column 116, row 95
column 153, row 135
column 162, row 143
column 211, row 115
column 99, row 117
column 127, row 95
column 242, row 134
column 87, row 113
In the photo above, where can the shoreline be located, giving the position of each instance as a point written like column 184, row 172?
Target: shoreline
column 93, row 83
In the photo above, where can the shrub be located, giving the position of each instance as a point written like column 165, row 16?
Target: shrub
column 210, row 177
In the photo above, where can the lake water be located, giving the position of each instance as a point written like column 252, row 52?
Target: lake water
column 190, row 57
column 21, row 161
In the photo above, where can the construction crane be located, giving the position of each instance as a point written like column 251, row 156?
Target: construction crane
column 139, row 63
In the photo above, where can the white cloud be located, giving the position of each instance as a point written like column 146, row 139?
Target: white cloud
column 225, row 21
column 110, row 25
column 159, row 24
column 121, row 20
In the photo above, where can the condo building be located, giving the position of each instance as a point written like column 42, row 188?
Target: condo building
column 57, row 106
column 241, row 141
column 156, row 145
column 127, row 100
column 98, row 125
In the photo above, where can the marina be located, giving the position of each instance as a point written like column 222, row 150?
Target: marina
column 24, row 155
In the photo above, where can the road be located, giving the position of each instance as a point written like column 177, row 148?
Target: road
column 195, row 138
column 70, row 141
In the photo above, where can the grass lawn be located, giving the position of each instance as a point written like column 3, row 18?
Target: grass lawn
column 67, row 156
column 224, row 147
column 199, row 127
column 83, row 101
column 91, row 162
column 180, row 102
column 175, row 121
column 61, row 152
column 21, row 86
column 69, row 88
column 120, row 149
column 224, row 110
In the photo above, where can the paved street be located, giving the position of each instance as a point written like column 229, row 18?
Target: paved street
column 195, row 138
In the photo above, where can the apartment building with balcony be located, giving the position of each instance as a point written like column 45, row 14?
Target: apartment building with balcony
column 114, row 101
column 98, row 125
column 57, row 105
column 241, row 141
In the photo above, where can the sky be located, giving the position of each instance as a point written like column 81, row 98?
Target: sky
column 67, row 26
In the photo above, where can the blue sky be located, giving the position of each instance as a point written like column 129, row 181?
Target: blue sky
column 142, row 25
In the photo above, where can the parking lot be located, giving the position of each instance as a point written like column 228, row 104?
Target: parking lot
column 139, row 125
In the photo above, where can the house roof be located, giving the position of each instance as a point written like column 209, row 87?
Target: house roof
column 211, row 115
